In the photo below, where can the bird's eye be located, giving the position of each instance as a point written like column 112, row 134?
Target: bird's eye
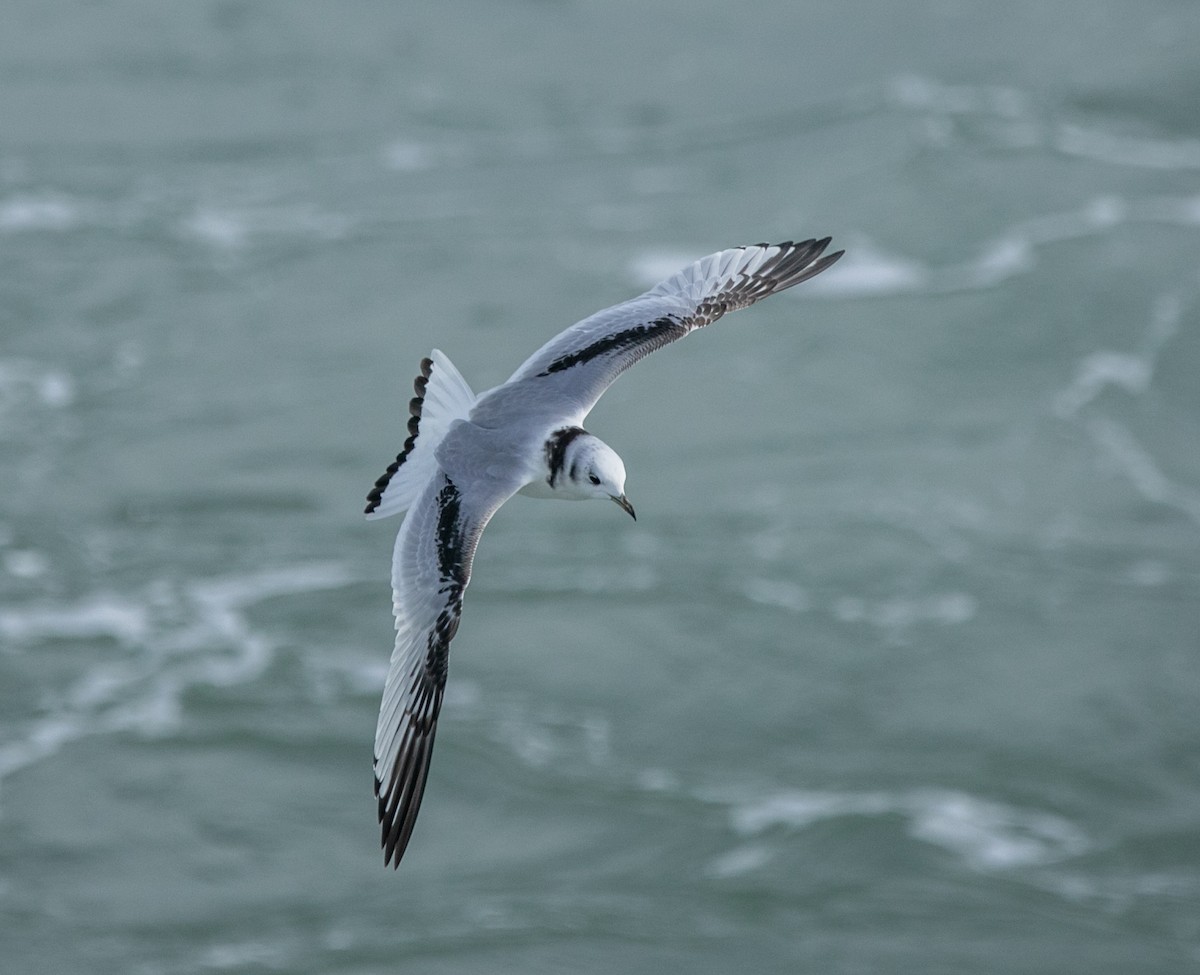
column 593, row 478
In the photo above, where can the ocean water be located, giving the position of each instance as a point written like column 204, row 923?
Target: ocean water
column 898, row 670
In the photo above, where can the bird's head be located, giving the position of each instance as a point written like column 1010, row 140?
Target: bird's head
column 594, row 470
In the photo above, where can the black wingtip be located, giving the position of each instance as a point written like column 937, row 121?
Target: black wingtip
column 800, row 261
column 827, row 261
column 400, row 798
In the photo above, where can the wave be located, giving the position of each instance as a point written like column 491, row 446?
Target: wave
column 1114, row 149
column 230, row 227
column 1132, row 373
column 1043, row 850
column 1121, row 449
column 984, row 834
column 96, row 617
column 523, row 579
column 870, row 270
column 41, row 212
column 897, row 614
column 1015, row 119
column 227, row 223
column 989, row 116
column 170, row 641
column 946, row 609
column 24, row 382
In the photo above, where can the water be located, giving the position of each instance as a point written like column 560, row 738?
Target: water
column 897, row 670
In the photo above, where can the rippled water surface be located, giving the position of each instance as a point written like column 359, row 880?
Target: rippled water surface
column 896, row 672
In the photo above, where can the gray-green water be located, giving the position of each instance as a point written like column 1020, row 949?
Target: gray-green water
column 897, row 672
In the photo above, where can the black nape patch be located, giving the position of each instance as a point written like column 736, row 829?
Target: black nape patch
column 556, row 450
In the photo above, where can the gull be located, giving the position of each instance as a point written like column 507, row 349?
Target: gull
column 466, row 455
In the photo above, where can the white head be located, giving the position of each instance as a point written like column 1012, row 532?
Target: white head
column 583, row 466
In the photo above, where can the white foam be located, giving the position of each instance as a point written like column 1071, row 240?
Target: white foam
column 1013, row 119
column 583, row 579
column 26, row 563
column 1133, row 373
column 530, row 743
column 219, row 228
column 1121, row 892
column 240, row 591
column 97, row 617
column 1133, row 461
column 898, row 613
column 409, row 157
column 991, row 835
column 25, row 383
column 245, row 954
column 798, row 810
column 357, row 675
column 1130, row 151
column 48, row 212
column 170, row 640
column 1182, row 211
column 1001, row 259
column 218, row 605
column 39, row 741
column 56, row 389
column 1099, row 370
column 866, row 270
column 986, row 835
column 658, row 780
column 549, row 737
column 738, row 861
column 777, row 592
column 929, row 95
column 232, row 228
column 1130, row 371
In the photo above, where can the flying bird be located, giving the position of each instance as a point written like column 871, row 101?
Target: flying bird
column 466, row 455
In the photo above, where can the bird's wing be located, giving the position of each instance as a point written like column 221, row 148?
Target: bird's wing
column 431, row 567
column 575, row 367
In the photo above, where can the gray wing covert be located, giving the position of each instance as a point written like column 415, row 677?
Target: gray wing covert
column 583, row 361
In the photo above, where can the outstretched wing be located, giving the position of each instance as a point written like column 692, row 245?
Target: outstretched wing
column 436, row 543
column 575, row 367
column 431, row 567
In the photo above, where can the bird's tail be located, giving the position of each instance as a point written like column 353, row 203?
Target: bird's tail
column 443, row 396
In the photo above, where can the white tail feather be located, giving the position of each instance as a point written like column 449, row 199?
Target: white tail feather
column 443, row 396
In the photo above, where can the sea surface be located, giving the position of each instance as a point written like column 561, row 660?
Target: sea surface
column 898, row 670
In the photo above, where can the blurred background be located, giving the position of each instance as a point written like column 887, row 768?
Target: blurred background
column 897, row 670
